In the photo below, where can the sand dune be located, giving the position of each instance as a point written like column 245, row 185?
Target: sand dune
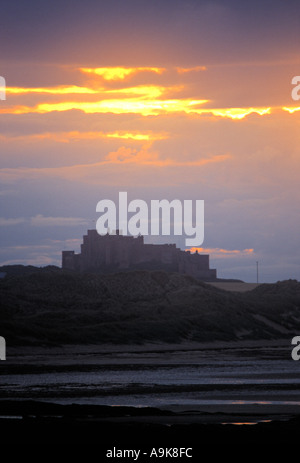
column 138, row 307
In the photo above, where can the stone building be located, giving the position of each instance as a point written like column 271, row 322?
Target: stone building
column 115, row 253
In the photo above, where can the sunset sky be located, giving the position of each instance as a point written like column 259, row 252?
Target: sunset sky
column 178, row 99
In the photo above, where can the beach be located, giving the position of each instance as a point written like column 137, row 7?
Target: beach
column 156, row 394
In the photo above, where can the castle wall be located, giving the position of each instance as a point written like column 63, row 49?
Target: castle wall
column 118, row 252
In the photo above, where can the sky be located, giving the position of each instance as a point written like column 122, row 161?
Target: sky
column 178, row 99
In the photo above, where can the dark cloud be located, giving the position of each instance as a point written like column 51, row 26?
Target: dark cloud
column 131, row 32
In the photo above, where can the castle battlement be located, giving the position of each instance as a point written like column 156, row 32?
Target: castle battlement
column 116, row 252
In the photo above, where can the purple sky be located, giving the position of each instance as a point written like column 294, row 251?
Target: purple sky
column 200, row 108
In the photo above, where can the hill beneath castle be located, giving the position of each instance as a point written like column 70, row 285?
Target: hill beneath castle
column 53, row 307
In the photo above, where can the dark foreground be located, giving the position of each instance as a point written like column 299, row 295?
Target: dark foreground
column 32, row 422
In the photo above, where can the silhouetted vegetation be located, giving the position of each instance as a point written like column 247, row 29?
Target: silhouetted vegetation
column 52, row 306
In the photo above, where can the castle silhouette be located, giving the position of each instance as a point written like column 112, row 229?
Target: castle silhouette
column 116, row 252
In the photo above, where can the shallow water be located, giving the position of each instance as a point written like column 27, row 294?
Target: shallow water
column 158, row 378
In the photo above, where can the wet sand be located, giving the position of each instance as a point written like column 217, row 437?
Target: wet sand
column 26, row 421
column 31, row 422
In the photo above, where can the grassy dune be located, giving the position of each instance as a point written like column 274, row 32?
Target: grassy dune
column 52, row 306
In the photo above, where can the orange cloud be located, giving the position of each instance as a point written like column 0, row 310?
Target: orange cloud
column 66, row 137
column 131, row 161
column 60, row 90
column 119, row 73
column 194, row 69
column 137, row 136
column 291, row 110
column 235, row 113
column 144, row 157
column 143, row 99
column 218, row 252
column 144, row 107
column 139, row 105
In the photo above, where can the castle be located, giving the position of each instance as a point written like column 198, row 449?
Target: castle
column 116, row 252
